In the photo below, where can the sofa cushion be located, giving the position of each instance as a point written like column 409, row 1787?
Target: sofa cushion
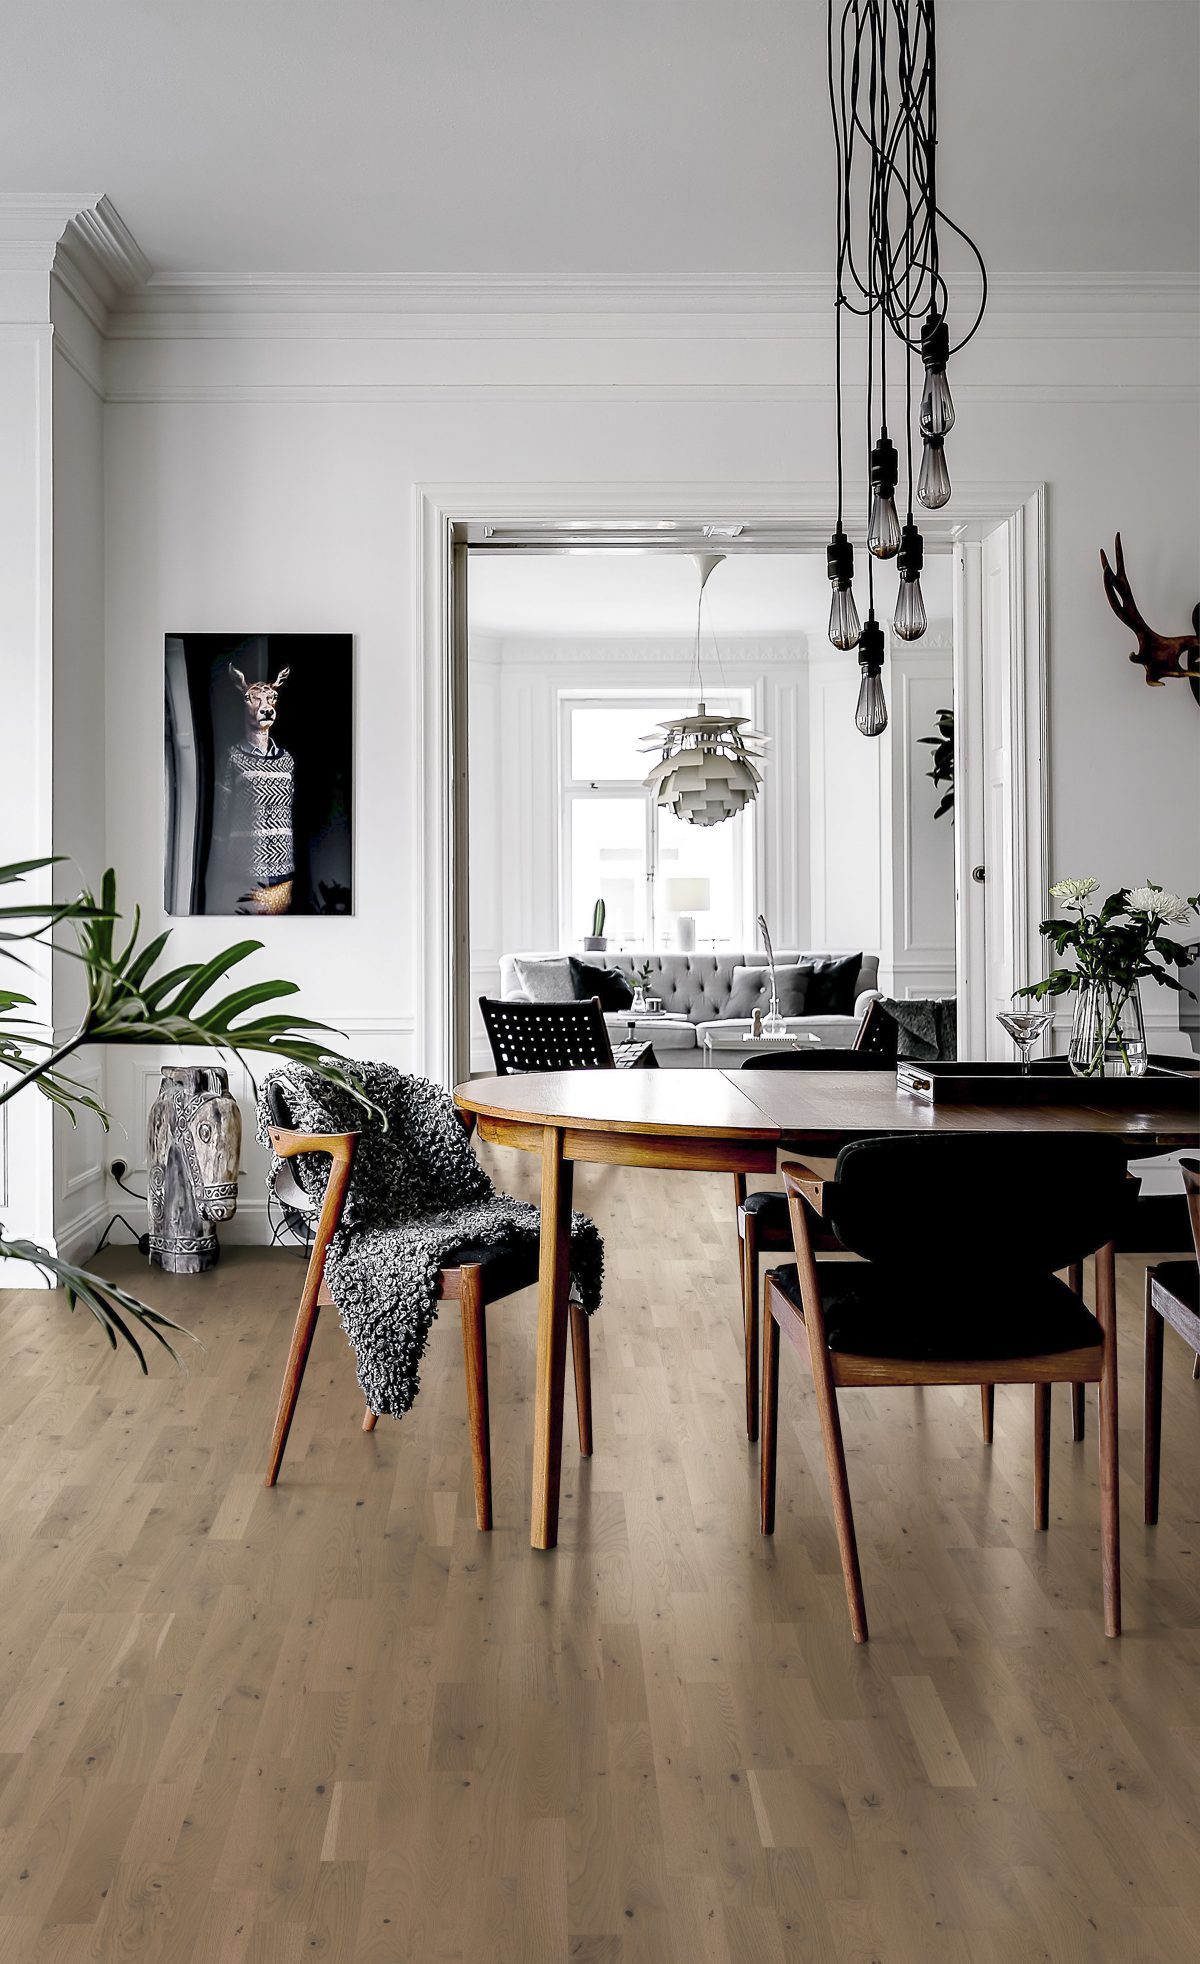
column 752, row 990
column 833, row 984
column 546, row 981
column 589, row 979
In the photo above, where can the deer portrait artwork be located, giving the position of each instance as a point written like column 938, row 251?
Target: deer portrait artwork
column 256, row 793
column 1164, row 657
column 259, row 774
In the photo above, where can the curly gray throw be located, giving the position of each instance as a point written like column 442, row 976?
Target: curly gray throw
column 417, row 1193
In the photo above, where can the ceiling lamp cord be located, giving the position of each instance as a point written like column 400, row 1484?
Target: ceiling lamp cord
column 883, row 108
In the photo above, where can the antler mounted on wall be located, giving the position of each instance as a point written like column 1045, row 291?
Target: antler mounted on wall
column 1165, row 657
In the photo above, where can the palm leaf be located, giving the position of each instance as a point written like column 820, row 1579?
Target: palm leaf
column 112, row 1306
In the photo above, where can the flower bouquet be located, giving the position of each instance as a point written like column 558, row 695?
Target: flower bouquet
column 1113, row 947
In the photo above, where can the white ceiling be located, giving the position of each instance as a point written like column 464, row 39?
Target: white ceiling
column 582, row 595
column 564, row 138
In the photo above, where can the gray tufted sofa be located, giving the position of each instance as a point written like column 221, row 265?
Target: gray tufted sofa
column 694, row 989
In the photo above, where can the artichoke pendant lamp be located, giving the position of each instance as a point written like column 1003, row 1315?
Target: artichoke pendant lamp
column 706, row 768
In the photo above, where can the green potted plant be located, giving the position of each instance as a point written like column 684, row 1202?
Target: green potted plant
column 596, row 942
column 1114, row 947
column 130, row 999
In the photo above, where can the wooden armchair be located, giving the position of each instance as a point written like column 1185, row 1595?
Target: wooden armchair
column 943, row 1297
column 480, row 1274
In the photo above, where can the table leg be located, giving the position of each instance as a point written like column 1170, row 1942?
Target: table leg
column 553, row 1278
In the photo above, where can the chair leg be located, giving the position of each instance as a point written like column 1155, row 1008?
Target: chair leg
column 1196, row 1368
column 1078, row 1400
column 581, row 1352
column 1110, row 1512
column 474, row 1329
column 1041, row 1455
column 1152, row 1421
column 839, row 1486
column 987, row 1401
column 310, row 1301
column 770, row 1422
column 750, row 1317
column 370, row 1420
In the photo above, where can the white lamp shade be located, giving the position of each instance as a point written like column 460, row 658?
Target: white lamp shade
column 686, row 896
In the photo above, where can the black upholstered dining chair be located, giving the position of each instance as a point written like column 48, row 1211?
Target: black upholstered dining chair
column 763, row 1224
column 960, row 1239
column 556, row 1036
column 1172, row 1296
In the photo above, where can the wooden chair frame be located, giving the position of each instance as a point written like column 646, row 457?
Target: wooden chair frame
column 831, row 1370
column 468, row 1286
column 1163, row 1306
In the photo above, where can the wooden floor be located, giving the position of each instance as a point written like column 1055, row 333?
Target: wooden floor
column 241, row 1727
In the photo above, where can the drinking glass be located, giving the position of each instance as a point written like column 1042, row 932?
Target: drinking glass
column 1024, row 1026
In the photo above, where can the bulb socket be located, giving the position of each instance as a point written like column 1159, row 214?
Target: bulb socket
column 911, row 556
column 839, row 560
column 870, row 646
column 885, row 465
column 935, row 341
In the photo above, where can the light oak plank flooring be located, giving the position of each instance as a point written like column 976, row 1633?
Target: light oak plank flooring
column 242, row 1727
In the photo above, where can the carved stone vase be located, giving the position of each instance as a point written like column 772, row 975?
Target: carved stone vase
column 194, row 1143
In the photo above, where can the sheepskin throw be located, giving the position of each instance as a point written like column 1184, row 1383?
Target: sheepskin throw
column 416, row 1194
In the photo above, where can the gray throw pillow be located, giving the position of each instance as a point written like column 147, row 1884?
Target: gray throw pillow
column 751, row 990
column 549, row 981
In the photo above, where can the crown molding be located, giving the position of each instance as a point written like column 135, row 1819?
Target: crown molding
column 468, row 306
column 80, row 238
column 99, row 262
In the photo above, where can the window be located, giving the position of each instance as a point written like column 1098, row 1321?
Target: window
column 617, row 845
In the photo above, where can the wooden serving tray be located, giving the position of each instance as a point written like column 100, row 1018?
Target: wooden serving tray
column 1050, row 1082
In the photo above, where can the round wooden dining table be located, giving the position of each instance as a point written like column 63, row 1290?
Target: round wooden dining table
column 730, row 1122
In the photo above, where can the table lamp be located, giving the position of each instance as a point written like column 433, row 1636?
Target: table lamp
column 686, row 897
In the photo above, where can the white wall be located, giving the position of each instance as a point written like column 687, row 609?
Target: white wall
column 262, row 468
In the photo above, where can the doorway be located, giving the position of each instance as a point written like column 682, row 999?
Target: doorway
column 1002, row 833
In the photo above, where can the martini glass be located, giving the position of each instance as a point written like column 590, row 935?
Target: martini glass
column 1024, row 1026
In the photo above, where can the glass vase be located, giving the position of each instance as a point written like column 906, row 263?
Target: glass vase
column 1108, row 1036
column 638, row 1005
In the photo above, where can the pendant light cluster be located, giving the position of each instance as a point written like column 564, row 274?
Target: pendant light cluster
column 882, row 91
column 707, row 768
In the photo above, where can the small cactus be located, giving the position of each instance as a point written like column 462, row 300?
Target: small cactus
column 598, row 913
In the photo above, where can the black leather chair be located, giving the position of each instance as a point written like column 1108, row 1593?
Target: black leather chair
column 960, row 1240
column 763, row 1224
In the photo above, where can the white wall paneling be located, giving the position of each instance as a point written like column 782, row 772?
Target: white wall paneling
column 920, row 864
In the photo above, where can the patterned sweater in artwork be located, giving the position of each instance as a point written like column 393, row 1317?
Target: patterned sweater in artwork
column 253, row 818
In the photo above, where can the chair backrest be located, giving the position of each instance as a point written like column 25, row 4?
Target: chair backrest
column 1190, row 1168
column 802, row 1058
column 918, row 1027
column 972, row 1204
column 546, row 1036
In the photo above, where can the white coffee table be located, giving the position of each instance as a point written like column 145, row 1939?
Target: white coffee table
column 718, row 1044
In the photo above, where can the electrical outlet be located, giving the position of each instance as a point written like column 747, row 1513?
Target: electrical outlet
column 118, row 1168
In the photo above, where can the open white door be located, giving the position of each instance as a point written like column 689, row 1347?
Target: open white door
column 1000, row 845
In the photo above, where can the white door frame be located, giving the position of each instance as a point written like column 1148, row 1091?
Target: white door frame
column 446, row 513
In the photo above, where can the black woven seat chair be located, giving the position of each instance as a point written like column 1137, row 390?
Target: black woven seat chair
column 556, row 1036
column 763, row 1224
column 946, row 1293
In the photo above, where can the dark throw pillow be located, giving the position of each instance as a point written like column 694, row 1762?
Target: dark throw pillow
column 588, row 979
column 831, row 984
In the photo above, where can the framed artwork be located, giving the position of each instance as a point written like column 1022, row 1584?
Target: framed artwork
column 259, row 774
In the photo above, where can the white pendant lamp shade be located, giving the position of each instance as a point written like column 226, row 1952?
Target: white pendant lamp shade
column 707, row 765
column 708, row 769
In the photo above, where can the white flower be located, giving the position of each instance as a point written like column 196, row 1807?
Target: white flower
column 1075, row 891
column 1160, row 905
